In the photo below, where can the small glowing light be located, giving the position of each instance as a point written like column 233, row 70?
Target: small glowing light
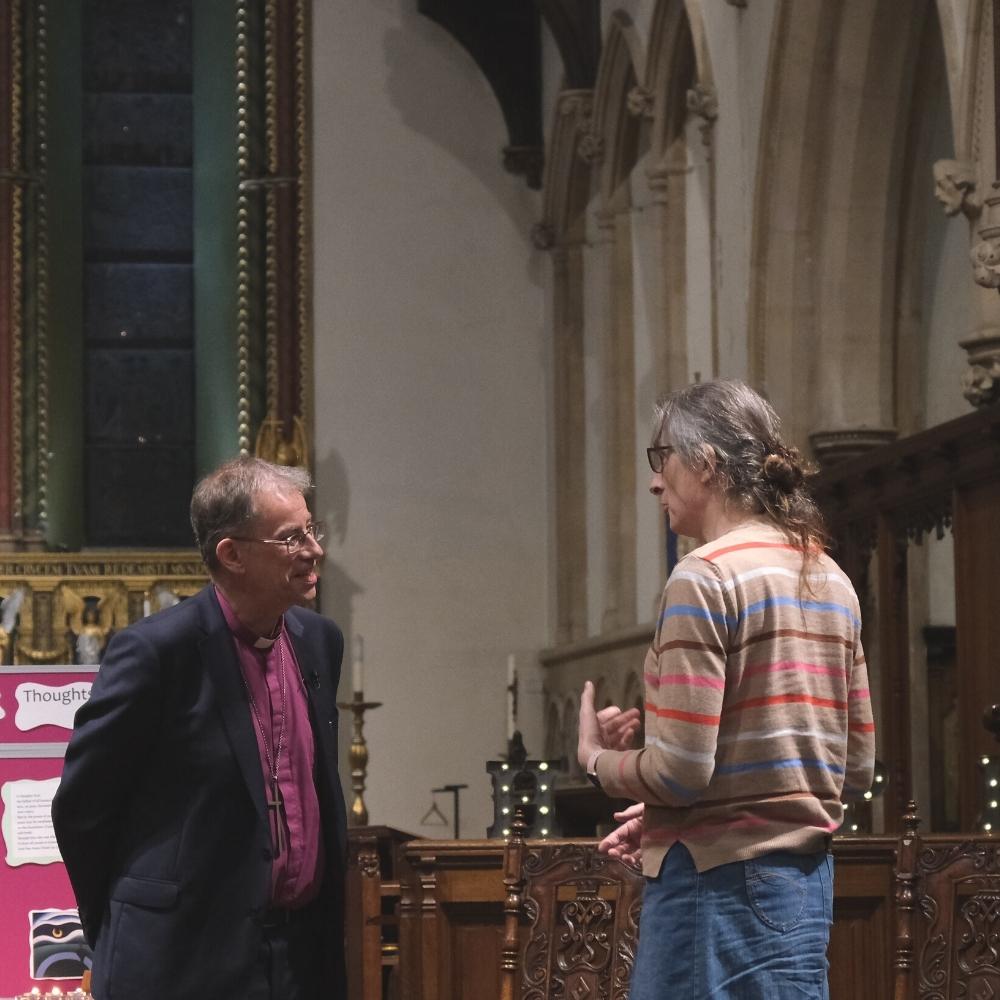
column 505, row 767
column 505, row 788
column 993, row 804
column 123, row 333
column 543, row 810
column 543, row 788
column 545, row 833
column 987, row 827
column 879, row 778
column 993, row 782
column 505, row 810
column 543, row 766
column 506, row 833
column 868, row 795
column 524, row 798
column 854, row 828
column 984, row 760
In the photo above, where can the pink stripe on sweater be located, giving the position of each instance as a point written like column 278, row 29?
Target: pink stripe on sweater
column 858, row 693
column 656, row 680
column 806, row 668
column 747, row 822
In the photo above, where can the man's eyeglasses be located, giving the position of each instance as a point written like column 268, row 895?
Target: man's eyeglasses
column 294, row 542
column 658, row 456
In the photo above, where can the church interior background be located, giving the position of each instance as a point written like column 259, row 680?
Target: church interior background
column 448, row 260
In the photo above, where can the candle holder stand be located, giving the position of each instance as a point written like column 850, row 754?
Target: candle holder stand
column 358, row 756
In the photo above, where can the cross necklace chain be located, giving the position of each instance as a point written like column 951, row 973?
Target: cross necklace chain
column 273, row 792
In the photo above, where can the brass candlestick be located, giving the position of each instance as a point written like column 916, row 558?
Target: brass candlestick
column 358, row 757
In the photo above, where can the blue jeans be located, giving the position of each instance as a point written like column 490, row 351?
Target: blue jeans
column 749, row 930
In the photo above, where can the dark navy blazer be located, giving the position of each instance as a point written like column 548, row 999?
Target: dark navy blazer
column 160, row 815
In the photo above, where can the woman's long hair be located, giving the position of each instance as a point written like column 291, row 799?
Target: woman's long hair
column 754, row 468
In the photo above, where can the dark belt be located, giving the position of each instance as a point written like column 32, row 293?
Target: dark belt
column 277, row 916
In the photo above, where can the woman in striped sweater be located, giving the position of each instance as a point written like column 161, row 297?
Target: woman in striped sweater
column 757, row 711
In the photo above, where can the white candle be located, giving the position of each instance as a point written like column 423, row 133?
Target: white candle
column 511, row 682
column 358, row 667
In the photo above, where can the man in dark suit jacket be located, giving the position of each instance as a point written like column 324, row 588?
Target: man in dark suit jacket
column 200, row 812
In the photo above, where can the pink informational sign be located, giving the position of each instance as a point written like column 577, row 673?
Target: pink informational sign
column 41, row 943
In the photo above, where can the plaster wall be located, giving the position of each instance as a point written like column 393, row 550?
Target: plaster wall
column 432, row 404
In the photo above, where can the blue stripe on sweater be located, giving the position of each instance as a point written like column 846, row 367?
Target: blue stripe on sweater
column 794, row 602
column 770, row 765
column 679, row 790
column 693, row 611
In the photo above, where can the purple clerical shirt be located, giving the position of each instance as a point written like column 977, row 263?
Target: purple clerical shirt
column 297, row 866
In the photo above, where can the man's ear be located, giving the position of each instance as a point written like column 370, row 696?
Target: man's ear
column 228, row 554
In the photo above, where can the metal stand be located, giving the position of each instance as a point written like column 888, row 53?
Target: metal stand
column 454, row 789
column 358, row 757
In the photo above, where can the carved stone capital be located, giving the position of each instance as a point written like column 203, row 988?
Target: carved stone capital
column 981, row 381
column 591, row 148
column 985, row 257
column 543, row 236
column 703, row 101
column 640, row 102
column 575, row 103
column 832, row 446
column 955, row 188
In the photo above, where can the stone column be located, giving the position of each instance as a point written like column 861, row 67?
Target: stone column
column 570, row 434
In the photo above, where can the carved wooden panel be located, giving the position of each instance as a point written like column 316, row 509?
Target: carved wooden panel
column 581, row 909
column 948, row 917
column 959, row 898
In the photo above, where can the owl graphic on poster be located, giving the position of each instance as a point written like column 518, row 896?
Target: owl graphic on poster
column 58, row 947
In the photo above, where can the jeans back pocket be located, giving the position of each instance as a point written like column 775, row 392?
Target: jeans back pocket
column 777, row 886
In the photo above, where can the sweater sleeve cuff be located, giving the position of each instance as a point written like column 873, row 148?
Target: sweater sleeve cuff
column 610, row 767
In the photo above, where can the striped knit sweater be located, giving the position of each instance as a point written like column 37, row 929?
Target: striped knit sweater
column 758, row 717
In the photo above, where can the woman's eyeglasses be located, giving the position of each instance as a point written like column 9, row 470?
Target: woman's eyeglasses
column 658, row 456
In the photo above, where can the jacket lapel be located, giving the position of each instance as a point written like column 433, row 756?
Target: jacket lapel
column 318, row 687
column 321, row 692
column 219, row 658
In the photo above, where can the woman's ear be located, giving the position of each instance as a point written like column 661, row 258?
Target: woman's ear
column 708, row 457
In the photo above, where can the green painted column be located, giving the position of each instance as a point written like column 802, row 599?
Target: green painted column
column 215, row 235
column 62, row 311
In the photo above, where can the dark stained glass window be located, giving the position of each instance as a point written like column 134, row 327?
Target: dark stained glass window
column 138, row 277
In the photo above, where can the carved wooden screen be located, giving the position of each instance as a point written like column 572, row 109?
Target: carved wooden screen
column 572, row 920
column 940, row 480
column 948, row 929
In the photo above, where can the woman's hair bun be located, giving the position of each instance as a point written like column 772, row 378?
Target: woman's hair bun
column 783, row 469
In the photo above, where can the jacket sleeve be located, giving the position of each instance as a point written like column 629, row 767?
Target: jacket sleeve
column 685, row 682
column 113, row 732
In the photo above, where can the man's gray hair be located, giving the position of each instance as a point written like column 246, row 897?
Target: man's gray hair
column 224, row 502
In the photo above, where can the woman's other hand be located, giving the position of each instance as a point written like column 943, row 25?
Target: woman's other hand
column 618, row 728
column 625, row 843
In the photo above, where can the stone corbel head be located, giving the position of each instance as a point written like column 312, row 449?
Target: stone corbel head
column 955, row 188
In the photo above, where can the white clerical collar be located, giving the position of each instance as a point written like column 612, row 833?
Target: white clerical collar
column 264, row 643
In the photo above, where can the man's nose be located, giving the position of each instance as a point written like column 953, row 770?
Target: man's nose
column 656, row 485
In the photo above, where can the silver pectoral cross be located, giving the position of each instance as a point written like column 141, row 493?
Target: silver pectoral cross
column 274, row 804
